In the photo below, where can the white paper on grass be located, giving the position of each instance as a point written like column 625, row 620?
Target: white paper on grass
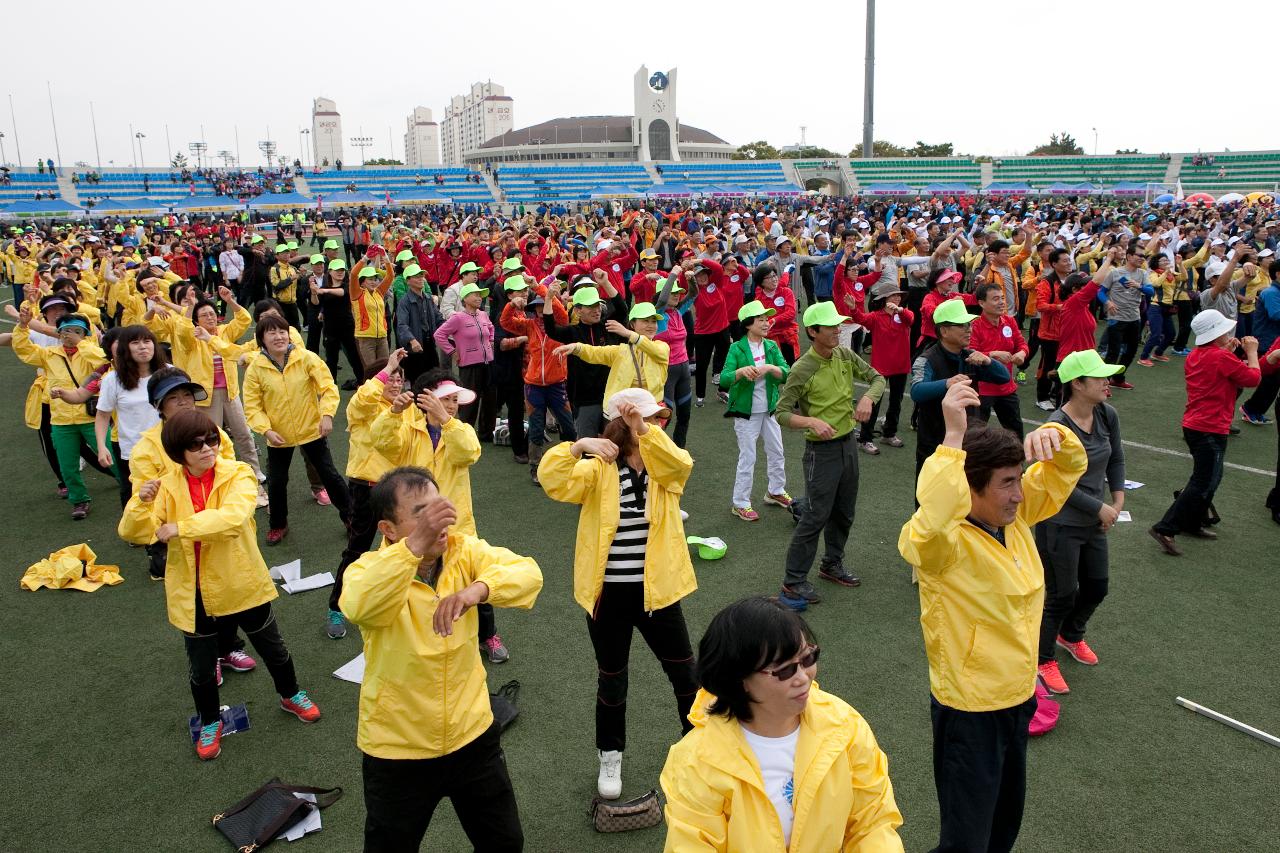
column 352, row 670
column 306, row 826
column 1130, row 485
column 287, row 572
column 1124, row 516
column 309, row 582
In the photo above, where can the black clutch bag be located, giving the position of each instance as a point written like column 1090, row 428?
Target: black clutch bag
column 255, row 821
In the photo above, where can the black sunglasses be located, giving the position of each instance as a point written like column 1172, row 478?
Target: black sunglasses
column 788, row 671
column 200, row 442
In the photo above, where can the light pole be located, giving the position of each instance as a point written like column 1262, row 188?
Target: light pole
column 140, row 136
column 227, row 157
column 2, row 157
column 133, row 152
column 303, row 134
column 198, row 149
column 362, row 142
column 1095, row 142
column 268, row 149
column 869, row 85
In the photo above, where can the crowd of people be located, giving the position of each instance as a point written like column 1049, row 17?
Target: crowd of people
column 176, row 358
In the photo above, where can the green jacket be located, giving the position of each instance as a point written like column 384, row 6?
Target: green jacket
column 742, row 390
column 823, row 388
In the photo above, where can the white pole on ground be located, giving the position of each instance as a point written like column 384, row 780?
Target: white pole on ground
column 1225, row 720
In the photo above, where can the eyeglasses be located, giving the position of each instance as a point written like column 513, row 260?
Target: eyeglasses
column 200, row 442
column 788, row 671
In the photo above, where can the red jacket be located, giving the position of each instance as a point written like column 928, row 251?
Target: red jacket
column 1213, row 375
column 1049, row 307
column 735, row 290
column 615, row 267
column 987, row 337
column 932, row 300
column 541, row 367
column 846, row 287
column 537, row 265
column 1077, row 327
column 184, row 264
column 709, row 313
column 784, row 330
column 890, row 338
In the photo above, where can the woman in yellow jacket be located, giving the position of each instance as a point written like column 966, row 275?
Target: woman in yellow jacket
column 426, row 727
column 290, row 399
column 631, row 566
column 369, row 307
column 774, row 763
column 639, row 363
column 203, row 509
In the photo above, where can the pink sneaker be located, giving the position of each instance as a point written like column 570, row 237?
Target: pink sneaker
column 217, row 669
column 239, row 661
column 1080, row 651
column 322, row 497
column 745, row 513
column 1045, row 719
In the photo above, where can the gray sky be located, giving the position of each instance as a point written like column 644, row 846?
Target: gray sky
column 1152, row 76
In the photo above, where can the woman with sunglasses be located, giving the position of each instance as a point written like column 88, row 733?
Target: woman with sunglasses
column 203, row 509
column 773, row 762
column 632, row 565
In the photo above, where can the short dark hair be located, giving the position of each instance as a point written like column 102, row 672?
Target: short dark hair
column 267, row 324
column 1056, row 255
column 183, row 428
column 1074, row 282
column 984, row 290
column 203, row 303
column 262, row 306
column 988, row 449
column 384, row 498
column 742, row 639
column 997, row 246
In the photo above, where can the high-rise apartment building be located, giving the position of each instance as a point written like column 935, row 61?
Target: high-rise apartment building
column 472, row 119
column 421, row 139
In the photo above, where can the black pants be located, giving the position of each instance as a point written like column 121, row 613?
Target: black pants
column 618, row 613
column 897, row 385
column 122, row 474
column 364, row 526
column 317, row 453
column 678, row 394
column 351, row 250
column 709, row 351
column 1047, row 385
column 1033, row 340
column 207, row 642
column 484, row 411
column 788, row 352
column 417, row 363
column 1076, row 572
column 336, row 341
column 315, row 329
column 1273, row 497
column 291, row 314
column 1006, row 409
column 1264, row 395
column 510, row 398
column 1190, row 508
column 980, row 772
column 1122, row 344
column 831, row 485
column 1184, row 325
column 401, row 795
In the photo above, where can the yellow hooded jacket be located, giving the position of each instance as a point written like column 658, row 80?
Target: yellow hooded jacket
column 196, row 356
column 593, row 483
column 61, row 371
column 981, row 602
column 651, row 355
column 843, row 798
column 364, row 462
column 424, row 695
column 232, row 575
column 404, row 438
column 148, row 461
column 290, row 401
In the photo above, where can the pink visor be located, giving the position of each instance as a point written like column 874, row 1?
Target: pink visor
column 465, row 395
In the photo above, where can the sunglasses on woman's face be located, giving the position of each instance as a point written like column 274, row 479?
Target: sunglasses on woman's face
column 212, row 440
column 788, row 671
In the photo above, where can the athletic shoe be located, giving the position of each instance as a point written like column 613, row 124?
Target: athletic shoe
column 781, row 499
column 1045, row 405
column 209, row 743
column 795, row 602
column 301, row 706
column 335, row 625
column 1159, row 357
column 533, row 475
column 745, row 513
column 869, row 447
column 62, row 492
column 239, row 661
column 1122, row 384
column 262, row 496
column 276, row 535
column 1182, row 352
column 80, row 511
column 1233, row 430
column 804, row 590
column 1146, row 362
column 684, row 516
column 1051, row 677
column 217, row 671
column 1022, row 376
column 1256, row 420
column 609, row 782
column 322, row 497
column 496, row 650
column 893, row 441
column 838, row 574
column 1080, row 651
column 699, row 402
column 1166, row 543
column 522, row 459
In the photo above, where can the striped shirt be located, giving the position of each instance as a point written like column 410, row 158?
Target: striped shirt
column 626, row 553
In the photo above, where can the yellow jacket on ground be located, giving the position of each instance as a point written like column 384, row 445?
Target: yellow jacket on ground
column 61, row 371
column 981, row 602
column 148, row 461
column 593, row 483
column 651, row 356
column 405, row 439
column 843, row 799
column 289, row 401
column 424, row 695
column 233, row 576
column 364, row 462
column 196, row 356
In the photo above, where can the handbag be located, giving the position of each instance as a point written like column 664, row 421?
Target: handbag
column 90, row 405
column 255, row 821
column 503, row 703
column 642, row 812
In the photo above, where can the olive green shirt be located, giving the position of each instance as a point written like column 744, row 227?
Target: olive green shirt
column 823, row 388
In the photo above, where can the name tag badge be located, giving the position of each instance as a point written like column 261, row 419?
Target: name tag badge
column 711, row 288
column 897, row 319
column 617, row 268
column 1007, row 332
column 858, row 287
column 779, row 301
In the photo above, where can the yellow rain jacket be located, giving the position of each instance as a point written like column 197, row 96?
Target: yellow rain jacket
column 651, row 355
column 196, row 356
column 148, row 461
column 289, row 401
column 424, row 695
column 73, row 567
column 593, row 483
column 843, row 799
column 232, row 575
column 364, row 462
column 981, row 602
column 61, row 371
column 405, row 439
column 282, row 273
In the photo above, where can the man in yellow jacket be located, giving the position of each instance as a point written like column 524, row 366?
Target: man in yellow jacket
column 981, row 600
column 426, row 727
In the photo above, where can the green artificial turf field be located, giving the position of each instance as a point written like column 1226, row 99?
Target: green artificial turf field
column 94, row 753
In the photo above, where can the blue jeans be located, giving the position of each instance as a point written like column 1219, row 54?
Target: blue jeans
column 1158, row 331
column 552, row 398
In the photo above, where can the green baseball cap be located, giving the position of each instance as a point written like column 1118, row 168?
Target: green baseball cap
column 951, row 311
column 709, row 547
column 514, row 282
column 367, row 272
column 281, row 248
column 292, row 244
column 331, row 244
column 642, row 311
column 337, row 264
column 317, row 259
column 469, row 266
column 255, row 239
column 1085, row 363
column 404, row 255
column 468, row 289
column 585, row 297
column 824, row 314
column 412, row 270
column 512, row 264
column 754, row 309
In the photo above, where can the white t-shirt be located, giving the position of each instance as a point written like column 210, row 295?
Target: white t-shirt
column 134, row 414
column 777, row 759
column 759, row 394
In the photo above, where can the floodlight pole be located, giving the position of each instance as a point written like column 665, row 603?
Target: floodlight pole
column 869, row 85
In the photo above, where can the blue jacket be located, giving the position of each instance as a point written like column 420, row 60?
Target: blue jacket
column 1266, row 316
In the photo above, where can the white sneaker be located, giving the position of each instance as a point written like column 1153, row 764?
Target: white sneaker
column 684, row 516
column 1046, row 405
column 609, row 782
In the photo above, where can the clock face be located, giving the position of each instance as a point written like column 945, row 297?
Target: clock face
column 659, row 106
column 658, row 81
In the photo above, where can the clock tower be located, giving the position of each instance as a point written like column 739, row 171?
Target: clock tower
column 655, row 127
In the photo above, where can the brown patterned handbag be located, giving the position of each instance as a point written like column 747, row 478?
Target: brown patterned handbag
column 642, row 812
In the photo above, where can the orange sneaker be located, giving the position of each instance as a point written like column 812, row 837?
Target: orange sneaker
column 1080, row 651
column 1052, row 678
column 301, row 706
column 209, row 743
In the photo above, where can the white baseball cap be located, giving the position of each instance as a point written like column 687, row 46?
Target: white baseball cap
column 638, row 397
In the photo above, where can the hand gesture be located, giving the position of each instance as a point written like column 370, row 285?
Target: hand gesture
column 430, row 404
column 821, row 428
column 862, row 413
column 326, row 425
column 415, row 346
column 225, row 294
column 1041, row 444
column 105, row 459
column 519, row 302
column 274, row 438
column 201, row 333
column 599, row 276
column 616, row 328
column 147, row 491
column 393, row 360
column 635, row 421
column 978, row 359
column 1250, row 344
column 165, row 532
column 1107, row 516
column 960, row 397
column 429, row 538
column 451, row 608
column 601, row 448
column 402, row 401
column 24, row 316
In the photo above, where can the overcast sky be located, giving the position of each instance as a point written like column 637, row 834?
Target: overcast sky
column 995, row 79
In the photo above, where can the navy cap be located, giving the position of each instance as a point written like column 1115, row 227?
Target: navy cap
column 159, row 386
